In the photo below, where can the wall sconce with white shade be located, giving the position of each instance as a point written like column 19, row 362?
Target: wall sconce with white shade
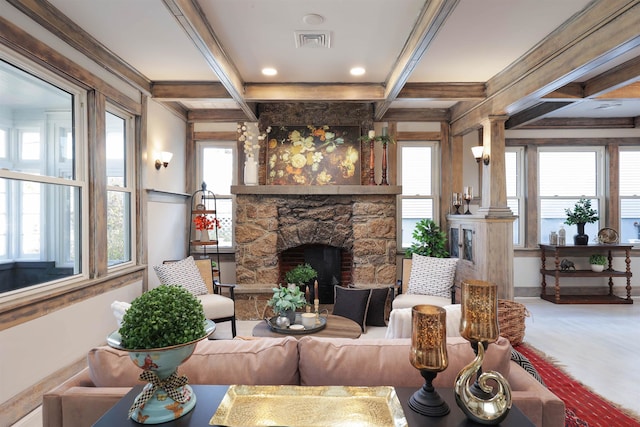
column 162, row 159
column 479, row 154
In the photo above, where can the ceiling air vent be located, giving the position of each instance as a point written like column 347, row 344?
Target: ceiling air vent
column 313, row 39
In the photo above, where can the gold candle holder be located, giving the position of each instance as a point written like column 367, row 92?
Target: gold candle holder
column 479, row 325
column 429, row 356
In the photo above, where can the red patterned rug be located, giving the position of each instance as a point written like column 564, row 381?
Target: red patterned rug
column 583, row 407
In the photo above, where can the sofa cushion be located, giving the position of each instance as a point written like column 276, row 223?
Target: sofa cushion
column 183, row 273
column 377, row 362
column 268, row 361
column 432, row 276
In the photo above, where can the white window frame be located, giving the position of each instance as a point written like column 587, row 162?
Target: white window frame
column 635, row 196
column 520, row 185
column 227, row 144
column 129, row 181
column 79, row 181
column 435, row 184
column 600, row 182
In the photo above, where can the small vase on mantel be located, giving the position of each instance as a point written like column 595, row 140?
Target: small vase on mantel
column 250, row 171
column 581, row 238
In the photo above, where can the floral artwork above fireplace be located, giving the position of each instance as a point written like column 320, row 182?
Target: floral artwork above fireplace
column 310, row 155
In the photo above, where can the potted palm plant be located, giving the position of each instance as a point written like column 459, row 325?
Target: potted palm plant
column 597, row 262
column 581, row 214
column 160, row 331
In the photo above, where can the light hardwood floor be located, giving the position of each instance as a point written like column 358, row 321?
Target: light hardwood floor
column 598, row 344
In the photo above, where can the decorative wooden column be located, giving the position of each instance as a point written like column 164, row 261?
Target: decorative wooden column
column 494, row 183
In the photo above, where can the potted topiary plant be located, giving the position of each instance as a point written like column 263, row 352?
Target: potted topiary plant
column 429, row 240
column 160, row 331
column 581, row 214
column 285, row 301
column 300, row 275
column 597, row 262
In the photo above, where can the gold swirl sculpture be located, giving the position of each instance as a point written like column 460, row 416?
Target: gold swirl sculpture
column 479, row 325
column 485, row 411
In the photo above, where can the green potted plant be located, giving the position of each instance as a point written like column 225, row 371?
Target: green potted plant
column 285, row 301
column 160, row 331
column 597, row 262
column 429, row 240
column 581, row 214
column 300, row 274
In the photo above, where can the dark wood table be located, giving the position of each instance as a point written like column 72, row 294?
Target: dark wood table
column 210, row 396
column 337, row 327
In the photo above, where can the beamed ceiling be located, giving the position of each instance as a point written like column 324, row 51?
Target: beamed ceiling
column 543, row 63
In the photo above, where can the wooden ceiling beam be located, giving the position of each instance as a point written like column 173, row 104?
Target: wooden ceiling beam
column 571, row 91
column 217, row 115
column 582, row 123
column 267, row 92
column 432, row 17
column 417, row 115
column 615, row 78
column 534, row 113
column 192, row 20
column 454, row 91
column 597, row 35
column 631, row 91
column 189, row 90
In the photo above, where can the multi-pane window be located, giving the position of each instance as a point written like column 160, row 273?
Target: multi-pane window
column 515, row 190
column 629, row 195
column 119, row 187
column 418, row 177
column 564, row 176
column 217, row 171
column 41, row 184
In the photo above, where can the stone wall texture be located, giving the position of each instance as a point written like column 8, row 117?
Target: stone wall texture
column 363, row 225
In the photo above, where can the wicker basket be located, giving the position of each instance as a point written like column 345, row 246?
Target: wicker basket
column 511, row 316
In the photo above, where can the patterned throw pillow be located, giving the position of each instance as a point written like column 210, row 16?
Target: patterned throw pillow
column 183, row 273
column 432, row 276
column 526, row 364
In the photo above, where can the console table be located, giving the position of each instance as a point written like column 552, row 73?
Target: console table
column 210, row 396
column 557, row 252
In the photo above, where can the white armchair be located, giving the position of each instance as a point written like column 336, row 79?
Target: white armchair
column 407, row 299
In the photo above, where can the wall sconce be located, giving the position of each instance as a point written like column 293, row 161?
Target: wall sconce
column 478, row 154
column 163, row 160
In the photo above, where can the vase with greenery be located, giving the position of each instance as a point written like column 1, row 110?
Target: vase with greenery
column 581, row 214
column 160, row 331
column 597, row 262
column 286, row 300
column 429, row 240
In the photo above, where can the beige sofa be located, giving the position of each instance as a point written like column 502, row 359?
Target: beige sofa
column 309, row 361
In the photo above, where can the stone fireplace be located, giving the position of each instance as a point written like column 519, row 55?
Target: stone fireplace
column 358, row 220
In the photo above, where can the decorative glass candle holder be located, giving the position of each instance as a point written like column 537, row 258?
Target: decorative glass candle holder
column 479, row 325
column 429, row 356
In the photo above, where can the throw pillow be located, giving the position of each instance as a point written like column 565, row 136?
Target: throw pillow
column 526, row 364
column 352, row 304
column 432, row 276
column 377, row 304
column 183, row 273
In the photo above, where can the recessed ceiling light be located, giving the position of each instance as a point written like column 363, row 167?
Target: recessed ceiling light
column 357, row 71
column 313, row 19
column 268, row 71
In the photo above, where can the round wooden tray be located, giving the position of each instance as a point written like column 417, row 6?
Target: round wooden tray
column 272, row 325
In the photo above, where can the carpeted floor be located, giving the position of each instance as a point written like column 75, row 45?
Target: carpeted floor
column 584, row 408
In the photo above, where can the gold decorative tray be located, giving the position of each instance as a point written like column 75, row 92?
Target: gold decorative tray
column 309, row 406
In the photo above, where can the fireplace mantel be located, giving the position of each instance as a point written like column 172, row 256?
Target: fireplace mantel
column 317, row 190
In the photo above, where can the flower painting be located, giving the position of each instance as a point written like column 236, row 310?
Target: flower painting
column 310, row 155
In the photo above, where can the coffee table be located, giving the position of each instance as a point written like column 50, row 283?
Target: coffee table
column 337, row 327
column 210, row 396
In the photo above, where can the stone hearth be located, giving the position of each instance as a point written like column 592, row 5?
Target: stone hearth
column 361, row 220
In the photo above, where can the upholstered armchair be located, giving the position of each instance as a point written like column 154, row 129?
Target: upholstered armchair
column 217, row 307
column 428, row 281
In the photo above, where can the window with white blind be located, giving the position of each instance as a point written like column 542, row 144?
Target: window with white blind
column 417, row 173
column 629, row 195
column 514, row 167
column 564, row 176
column 216, row 169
